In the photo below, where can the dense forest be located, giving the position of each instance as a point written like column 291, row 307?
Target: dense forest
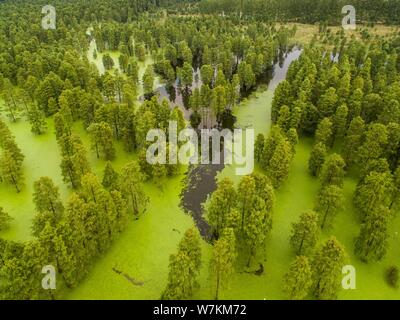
column 111, row 71
column 307, row 11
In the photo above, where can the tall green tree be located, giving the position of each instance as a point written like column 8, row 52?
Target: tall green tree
column 37, row 120
column 327, row 267
column 110, row 177
column 332, row 172
column 220, row 204
column 372, row 192
column 184, row 267
column 340, row 120
column 148, row 81
column 46, row 197
column 101, row 140
column 305, row 233
column 298, row 280
column 5, row 220
column 10, row 170
column 372, row 242
column 279, row 165
column 222, row 262
column 353, row 140
column 317, row 159
column 324, row 133
column 329, row 202
column 131, row 181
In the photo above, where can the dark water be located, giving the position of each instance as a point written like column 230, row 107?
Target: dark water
column 200, row 179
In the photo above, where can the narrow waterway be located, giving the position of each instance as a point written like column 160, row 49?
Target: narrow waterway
column 200, row 179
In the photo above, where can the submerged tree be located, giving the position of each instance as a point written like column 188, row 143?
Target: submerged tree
column 327, row 269
column 305, row 233
column 5, row 220
column 46, row 197
column 222, row 262
column 371, row 244
column 101, row 140
column 329, row 202
column 10, row 170
column 131, row 180
column 317, row 159
column 220, row 204
column 37, row 120
column 184, row 267
column 298, row 280
column 332, row 172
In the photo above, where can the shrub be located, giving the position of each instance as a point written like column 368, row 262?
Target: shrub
column 392, row 276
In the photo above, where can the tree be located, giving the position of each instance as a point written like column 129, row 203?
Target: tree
column 324, row 133
column 108, row 62
column 109, row 86
column 131, row 185
column 317, row 159
column 74, row 163
column 264, row 190
column 222, row 262
column 110, row 177
column 5, row 220
column 353, row 140
column 220, row 204
column 10, row 100
column 148, row 81
column 327, row 269
column 393, row 146
column 37, row 120
column 10, row 170
column 329, row 202
column 145, row 122
column 218, row 102
column 247, row 76
column 305, row 233
column 184, row 268
column 101, row 140
column 186, row 74
column 271, row 142
column 371, row 244
column 257, row 227
column 293, row 139
column 245, row 198
column 284, row 118
column 281, row 98
column 373, row 192
column 375, row 142
column 46, row 197
column 396, row 190
column 279, row 165
column 207, row 74
column 298, row 280
column 327, row 103
column 61, row 125
column 392, row 276
column 340, row 122
column 332, row 172
column 259, row 146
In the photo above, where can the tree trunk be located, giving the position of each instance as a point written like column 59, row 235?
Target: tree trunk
column 217, row 290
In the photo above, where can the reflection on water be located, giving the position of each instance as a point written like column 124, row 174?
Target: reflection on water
column 281, row 68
